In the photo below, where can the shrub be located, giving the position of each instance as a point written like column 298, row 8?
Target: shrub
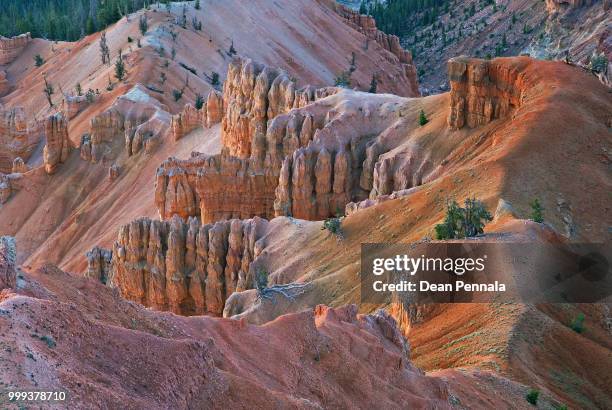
column 599, row 63
column 463, row 222
column 532, row 396
column 261, row 281
column 560, row 407
column 577, row 324
column 343, row 79
column 90, row 96
column 373, row 84
column 537, row 211
column 197, row 5
column 177, row 94
column 49, row 341
column 333, row 225
column 38, row 60
column 215, row 79
column 422, row 118
column 130, row 39
column 199, row 101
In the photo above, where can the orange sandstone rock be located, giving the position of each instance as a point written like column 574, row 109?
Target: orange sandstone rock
column 57, row 147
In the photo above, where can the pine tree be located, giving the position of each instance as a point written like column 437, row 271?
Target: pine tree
column 422, row 118
column 78, row 89
column 373, row 84
column 362, row 8
column 537, row 211
column 197, row 5
column 119, row 67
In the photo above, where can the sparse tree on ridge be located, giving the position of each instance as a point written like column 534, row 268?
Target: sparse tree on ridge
column 104, row 50
column 48, row 91
column 120, row 67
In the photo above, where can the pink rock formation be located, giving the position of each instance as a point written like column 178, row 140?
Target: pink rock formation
column 482, row 91
column 19, row 166
column 253, row 95
column 10, row 48
column 57, row 147
column 73, row 104
column 185, row 122
column 241, row 181
column 191, row 118
column 99, row 264
column 4, row 84
column 17, row 138
column 141, row 120
column 187, row 268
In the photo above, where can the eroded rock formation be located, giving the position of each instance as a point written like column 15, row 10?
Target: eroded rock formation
column 304, row 153
column 191, row 118
column 481, row 91
column 99, row 264
column 10, row 48
column 73, row 104
column 241, row 181
column 186, row 121
column 19, row 166
column 141, row 120
column 4, row 84
column 187, row 268
column 57, row 147
column 253, row 95
column 17, row 137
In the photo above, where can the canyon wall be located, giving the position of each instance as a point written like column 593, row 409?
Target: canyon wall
column 184, row 267
column 10, row 48
column 17, row 137
column 367, row 26
column 482, row 91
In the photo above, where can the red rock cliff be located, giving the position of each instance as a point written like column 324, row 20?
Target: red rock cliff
column 482, row 90
column 187, row 268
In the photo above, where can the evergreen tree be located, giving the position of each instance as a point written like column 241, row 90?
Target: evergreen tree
column 373, row 84
column 197, row 5
column 362, row 8
column 537, row 211
column 38, row 60
column 119, row 67
column 422, row 118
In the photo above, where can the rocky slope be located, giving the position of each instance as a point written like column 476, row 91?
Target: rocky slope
column 543, row 29
column 70, row 334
